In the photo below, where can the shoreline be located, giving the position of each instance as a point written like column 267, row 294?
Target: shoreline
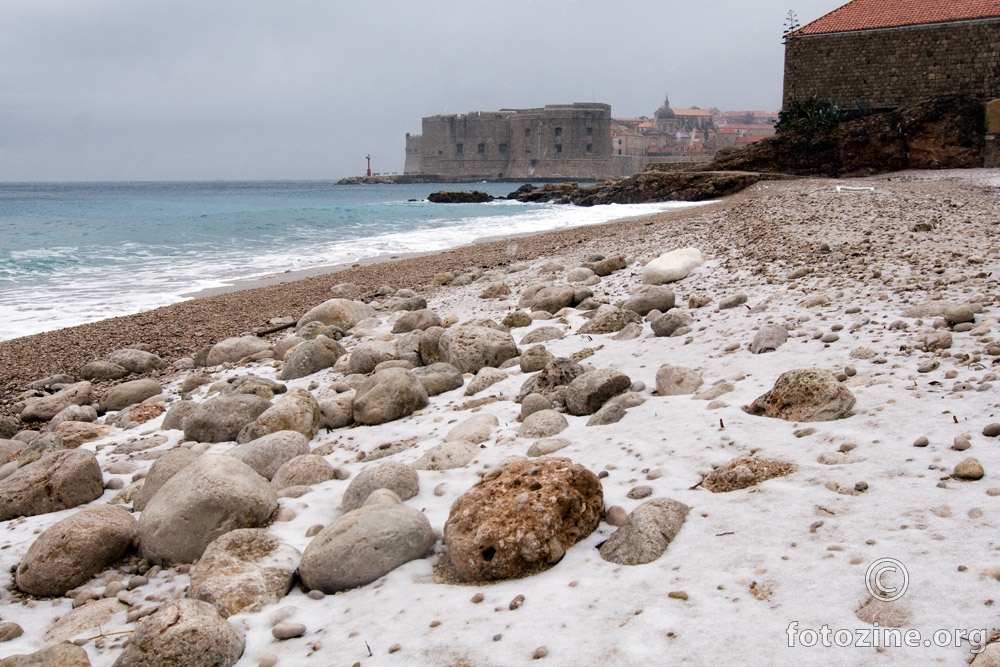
column 181, row 329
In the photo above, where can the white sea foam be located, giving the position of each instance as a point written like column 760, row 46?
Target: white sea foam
column 133, row 277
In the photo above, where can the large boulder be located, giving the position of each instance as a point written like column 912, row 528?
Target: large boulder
column 125, row 394
column 244, row 571
column 47, row 407
column 399, row 478
column 311, row 357
column 671, row 323
column 390, row 394
column 296, row 410
column 73, row 434
column 769, row 338
column 587, row 393
column 73, row 550
column 521, row 518
column 369, row 354
column 137, row 361
column 416, row 320
column 551, row 299
column 804, row 395
column 367, row 543
column 439, row 378
column 56, row 481
column 608, row 319
column 647, row 298
column 100, row 370
column 231, row 350
column 342, row 313
column 647, row 532
column 57, row 655
column 559, row 372
column 447, row 455
column 163, row 468
column 221, row 419
column 303, row 470
column 672, row 266
column 267, row 453
column 468, row 348
column 183, row 632
column 476, row 429
column 210, row 497
column 676, row 380
column 542, row 424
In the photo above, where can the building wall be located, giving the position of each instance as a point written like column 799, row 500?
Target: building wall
column 557, row 141
column 413, row 154
column 894, row 67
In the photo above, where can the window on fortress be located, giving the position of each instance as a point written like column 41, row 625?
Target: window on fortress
column 527, row 131
column 558, row 148
column 558, row 131
column 590, row 148
column 590, row 131
column 503, row 148
column 459, row 148
column 481, row 148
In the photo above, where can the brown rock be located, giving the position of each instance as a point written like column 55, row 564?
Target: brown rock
column 804, row 395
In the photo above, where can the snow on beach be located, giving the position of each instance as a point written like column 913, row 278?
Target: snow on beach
column 751, row 570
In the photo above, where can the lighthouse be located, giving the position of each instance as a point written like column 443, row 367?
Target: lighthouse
column 369, row 172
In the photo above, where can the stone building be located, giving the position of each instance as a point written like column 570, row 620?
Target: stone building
column 889, row 53
column 558, row 141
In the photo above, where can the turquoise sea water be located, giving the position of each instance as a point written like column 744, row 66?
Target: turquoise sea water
column 72, row 253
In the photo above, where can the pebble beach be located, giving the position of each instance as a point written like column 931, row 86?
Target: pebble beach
column 703, row 518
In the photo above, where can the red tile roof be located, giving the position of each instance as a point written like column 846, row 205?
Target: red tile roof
column 871, row 14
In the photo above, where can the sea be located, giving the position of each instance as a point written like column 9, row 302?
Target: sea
column 72, row 253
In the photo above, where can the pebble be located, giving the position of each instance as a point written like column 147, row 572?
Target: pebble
column 113, row 589
column 395, row 648
column 848, row 447
column 922, row 441
column 477, row 598
column 540, row 653
column 316, row 594
column 970, row 469
column 677, row 595
column 136, row 581
column 9, row 630
column 283, row 631
column 314, row 530
column 640, row 492
column 616, row 516
column 656, row 473
column 269, row 660
column 861, row 487
column 951, row 375
column 961, row 443
column 516, row 602
column 927, row 366
column 991, row 430
column 850, row 371
column 830, row 337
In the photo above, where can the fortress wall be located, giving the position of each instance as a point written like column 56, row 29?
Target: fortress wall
column 894, row 67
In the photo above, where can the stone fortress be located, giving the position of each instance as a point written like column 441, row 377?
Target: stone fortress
column 579, row 141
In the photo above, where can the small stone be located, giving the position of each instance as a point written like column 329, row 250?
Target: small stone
column 961, row 443
column 850, row 371
column 316, row 594
column 991, row 430
column 847, row 447
column 616, row 516
column 640, row 492
column 540, row 653
column 861, row 487
column 830, row 337
column 922, row 441
column 477, row 598
column 516, row 602
column 678, row 595
column 970, row 469
column 395, row 648
column 283, row 631
column 136, row 581
column 269, row 660
column 9, row 631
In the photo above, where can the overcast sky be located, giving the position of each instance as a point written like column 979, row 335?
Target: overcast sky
column 255, row 89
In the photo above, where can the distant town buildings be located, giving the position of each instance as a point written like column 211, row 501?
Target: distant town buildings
column 574, row 141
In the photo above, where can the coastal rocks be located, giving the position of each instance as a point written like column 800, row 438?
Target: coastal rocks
column 338, row 411
column 232, row 350
column 468, row 348
column 608, row 319
column 557, row 374
column 672, row 266
column 476, row 429
column 297, row 410
column 56, row 481
column 47, row 407
column 542, row 335
column 101, row 371
column 129, row 393
column 647, row 532
column 183, row 632
column 390, row 394
column 648, row 298
column 970, row 469
column 547, row 446
column 162, row 469
column 607, row 266
column 73, row 434
column 769, row 338
column 269, row 452
column 73, row 550
column 587, row 393
column 210, row 497
column 369, row 354
column 439, row 378
column 809, row 394
column 744, row 472
column 534, row 359
column 676, row 380
column 550, row 298
column 135, row 361
column 521, row 518
column 673, row 323
column 221, row 419
column 364, row 544
column 311, row 357
column 341, row 313
column 244, row 571
column 448, row 455
column 417, row 320
column 58, row 655
column 401, row 479
column 542, row 424
column 485, row 378
column 459, row 197
column 303, row 470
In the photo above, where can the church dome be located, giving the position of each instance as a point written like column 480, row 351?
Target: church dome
column 665, row 112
